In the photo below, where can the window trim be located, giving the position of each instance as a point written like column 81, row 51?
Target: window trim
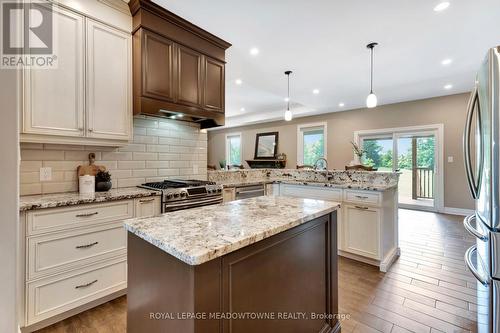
column 300, row 139
column 226, row 153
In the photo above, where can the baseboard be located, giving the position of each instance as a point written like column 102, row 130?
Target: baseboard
column 458, row 211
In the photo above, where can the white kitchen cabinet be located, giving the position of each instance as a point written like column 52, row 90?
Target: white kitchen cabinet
column 147, row 207
column 361, row 226
column 367, row 221
column 87, row 98
column 54, row 98
column 228, row 194
column 109, row 97
column 74, row 258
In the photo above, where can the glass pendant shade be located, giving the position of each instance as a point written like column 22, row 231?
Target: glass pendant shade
column 288, row 115
column 371, row 100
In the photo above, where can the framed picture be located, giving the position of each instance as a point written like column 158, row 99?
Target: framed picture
column 266, row 145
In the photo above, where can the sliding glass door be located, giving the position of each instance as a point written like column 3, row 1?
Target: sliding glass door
column 414, row 154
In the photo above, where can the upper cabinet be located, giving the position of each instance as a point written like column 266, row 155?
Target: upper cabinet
column 54, row 98
column 109, row 92
column 87, row 98
column 178, row 68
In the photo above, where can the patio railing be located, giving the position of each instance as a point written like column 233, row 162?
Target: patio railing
column 423, row 183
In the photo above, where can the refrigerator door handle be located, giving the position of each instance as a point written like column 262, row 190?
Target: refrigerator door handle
column 468, row 260
column 473, row 183
column 474, row 231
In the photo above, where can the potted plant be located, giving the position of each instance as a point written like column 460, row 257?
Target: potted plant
column 358, row 151
column 103, row 181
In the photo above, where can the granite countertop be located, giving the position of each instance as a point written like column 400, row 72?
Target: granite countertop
column 356, row 186
column 30, row 202
column 201, row 234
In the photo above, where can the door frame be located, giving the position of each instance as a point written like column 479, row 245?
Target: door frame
column 397, row 132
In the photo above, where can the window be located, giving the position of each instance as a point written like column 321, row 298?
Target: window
column 311, row 143
column 233, row 149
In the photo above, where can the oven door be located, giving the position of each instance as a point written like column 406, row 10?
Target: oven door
column 191, row 203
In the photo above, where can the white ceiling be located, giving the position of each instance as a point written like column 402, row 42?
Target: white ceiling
column 323, row 43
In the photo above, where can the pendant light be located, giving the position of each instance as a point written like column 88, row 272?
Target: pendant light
column 371, row 100
column 288, row 113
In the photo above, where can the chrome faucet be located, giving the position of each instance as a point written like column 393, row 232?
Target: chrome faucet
column 326, row 166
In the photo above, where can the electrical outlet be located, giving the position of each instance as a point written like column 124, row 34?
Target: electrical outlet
column 450, row 159
column 45, row 174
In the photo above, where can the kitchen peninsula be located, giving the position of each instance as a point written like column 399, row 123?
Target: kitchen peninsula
column 195, row 270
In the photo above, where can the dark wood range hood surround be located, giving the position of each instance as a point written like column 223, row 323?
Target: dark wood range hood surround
column 178, row 68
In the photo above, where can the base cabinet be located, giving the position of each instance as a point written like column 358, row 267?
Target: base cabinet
column 367, row 222
column 74, row 258
column 362, row 230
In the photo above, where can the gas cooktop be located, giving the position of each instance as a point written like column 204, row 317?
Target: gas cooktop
column 176, row 183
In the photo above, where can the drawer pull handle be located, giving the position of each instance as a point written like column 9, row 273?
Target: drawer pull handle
column 85, row 285
column 87, row 214
column 360, row 207
column 86, row 246
column 361, row 197
column 146, row 200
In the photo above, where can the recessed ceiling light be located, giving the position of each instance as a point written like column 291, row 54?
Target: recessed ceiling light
column 446, row 61
column 316, row 91
column 173, row 116
column 442, row 6
column 341, row 104
column 180, row 115
column 448, row 86
column 254, row 51
column 286, row 99
column 238, row 81
column 242, row 109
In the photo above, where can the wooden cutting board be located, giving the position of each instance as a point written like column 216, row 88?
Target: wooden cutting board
column 90, row 169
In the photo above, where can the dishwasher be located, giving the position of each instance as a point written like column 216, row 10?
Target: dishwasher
column 249, row 191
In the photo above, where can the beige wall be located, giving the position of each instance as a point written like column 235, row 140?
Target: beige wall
column 448, row 110
column 161, row 149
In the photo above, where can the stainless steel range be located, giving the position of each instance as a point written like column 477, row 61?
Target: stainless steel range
column 184, row 194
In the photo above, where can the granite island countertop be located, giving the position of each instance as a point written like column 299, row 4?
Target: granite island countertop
column 30, row 202
column 201, row 234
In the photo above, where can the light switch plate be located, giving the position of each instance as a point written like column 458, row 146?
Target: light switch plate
column 450, row 159
column 45, row 174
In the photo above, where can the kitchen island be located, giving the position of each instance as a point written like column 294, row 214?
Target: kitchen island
column 265, row 264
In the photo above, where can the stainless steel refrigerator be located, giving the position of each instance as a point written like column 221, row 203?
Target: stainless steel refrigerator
column 482, row 164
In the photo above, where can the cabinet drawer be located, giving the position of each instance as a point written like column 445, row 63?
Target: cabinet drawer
column 147, row 207
column 363, row 197
column 311, row 192
column 56, row 252
column 56, row 219
column 55, row 295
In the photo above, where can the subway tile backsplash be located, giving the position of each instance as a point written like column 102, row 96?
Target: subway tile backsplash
column 161, row 149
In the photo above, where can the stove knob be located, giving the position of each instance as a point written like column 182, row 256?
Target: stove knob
column 183, row 194
column 169, row 196
column 176, row 195
column 219, row 190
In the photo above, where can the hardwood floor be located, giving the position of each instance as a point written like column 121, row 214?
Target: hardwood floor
column 427, row 290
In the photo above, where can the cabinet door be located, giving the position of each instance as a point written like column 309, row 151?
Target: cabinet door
column 213, row 87
column 361, row 227
column 54, row 98
column 158, row 67
column 147, row 207
column 109, row 82
column 189, row 77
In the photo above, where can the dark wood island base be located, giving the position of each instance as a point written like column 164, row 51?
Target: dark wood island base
column 289, row 279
